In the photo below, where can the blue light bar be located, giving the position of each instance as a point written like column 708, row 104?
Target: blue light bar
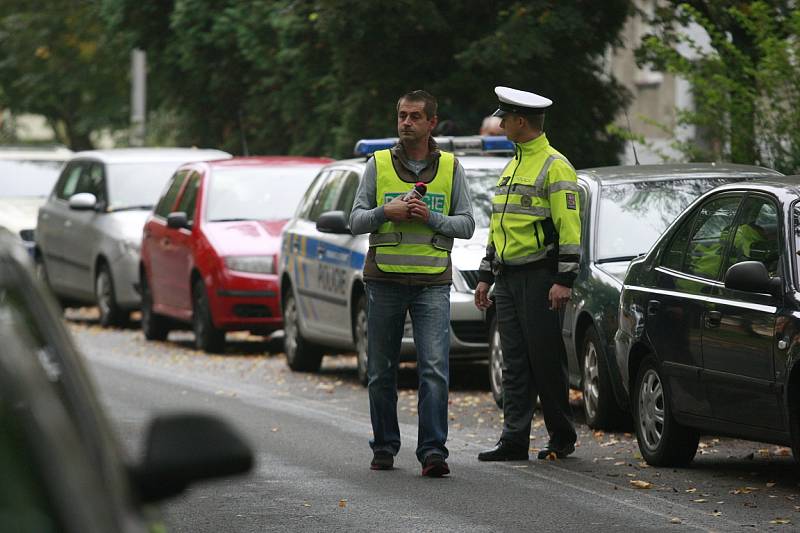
column 487, row 144
column 367, row 147
column 497, row 143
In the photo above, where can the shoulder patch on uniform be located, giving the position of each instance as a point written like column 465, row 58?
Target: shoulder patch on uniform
column 572, row 201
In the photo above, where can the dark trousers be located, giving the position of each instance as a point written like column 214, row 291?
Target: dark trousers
column 534, row 357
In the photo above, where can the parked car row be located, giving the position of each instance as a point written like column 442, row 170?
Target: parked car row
column 698, row 336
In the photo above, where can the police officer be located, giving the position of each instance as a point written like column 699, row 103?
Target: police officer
column 532, row 257
column 408, row 270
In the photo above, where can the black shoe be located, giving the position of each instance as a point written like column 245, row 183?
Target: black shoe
column 558, row 451
column 382, row 460
column 435, row 466
column 504, row 451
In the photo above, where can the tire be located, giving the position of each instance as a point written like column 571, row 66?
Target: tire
column 496, row 363
column 155, row 327
column 110, row 312
column 360, row 337
column 301, row 355
column 662, row 441
column 206, row 336
column 599, row 402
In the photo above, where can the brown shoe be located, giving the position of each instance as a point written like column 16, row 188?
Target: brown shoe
column 382, row 460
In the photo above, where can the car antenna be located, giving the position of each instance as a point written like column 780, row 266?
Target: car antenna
column 630, row 133
column 245, row 151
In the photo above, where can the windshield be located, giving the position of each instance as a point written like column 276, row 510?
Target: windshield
column 28, row 178
column 137, row 184
column 260, row 193
column 482, row 182
column 631, row 216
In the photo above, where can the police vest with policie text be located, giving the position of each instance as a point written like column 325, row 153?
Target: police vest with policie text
column 412, row 247
column 524, row 227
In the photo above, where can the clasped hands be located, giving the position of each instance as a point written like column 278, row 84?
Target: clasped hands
column 400, row 211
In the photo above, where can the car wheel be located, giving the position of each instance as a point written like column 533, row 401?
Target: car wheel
column 110, row 312
column 496, row 363
column 207, row 337
column 361, row 340
column 662, row 441
column 599, row 403
column 301, row 356
column 155, row 326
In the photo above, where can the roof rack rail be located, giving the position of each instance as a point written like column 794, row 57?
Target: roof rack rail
column 464, row 145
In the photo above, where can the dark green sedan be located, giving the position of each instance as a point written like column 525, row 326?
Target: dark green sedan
column 624, row 211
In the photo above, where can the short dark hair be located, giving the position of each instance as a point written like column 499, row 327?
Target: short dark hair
column 534, row 121
column 431, row 106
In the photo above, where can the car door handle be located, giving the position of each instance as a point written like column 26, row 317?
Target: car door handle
column 652, row 307
column 713, row 319
column 320, row 252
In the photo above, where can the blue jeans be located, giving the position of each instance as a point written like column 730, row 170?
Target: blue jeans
column 429, row 305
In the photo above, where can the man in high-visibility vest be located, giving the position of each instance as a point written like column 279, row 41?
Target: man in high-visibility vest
column 408, row 270
column 532, row 257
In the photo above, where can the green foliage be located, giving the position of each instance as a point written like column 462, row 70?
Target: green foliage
column 58, row 61
column 746, row 83
column 306, row 77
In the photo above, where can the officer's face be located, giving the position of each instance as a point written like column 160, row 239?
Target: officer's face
column 512, row 125
column 412, row 123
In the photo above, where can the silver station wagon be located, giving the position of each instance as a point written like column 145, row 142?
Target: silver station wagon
column 89, row 230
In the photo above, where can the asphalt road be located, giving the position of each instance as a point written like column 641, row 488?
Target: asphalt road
column 310, row 434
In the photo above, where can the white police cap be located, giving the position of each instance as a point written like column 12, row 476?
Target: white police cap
column 520, row 102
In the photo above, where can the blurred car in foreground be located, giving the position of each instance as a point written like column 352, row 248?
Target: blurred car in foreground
column 90, row 229
column 209, row 251
column 322, row 292
column 27, row 175
column 709, row 324
column 62, row 469
column 624, row 210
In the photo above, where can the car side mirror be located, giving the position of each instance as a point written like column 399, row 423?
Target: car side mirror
column 183, row 448
column 177, row 220
column 333, row 222
column 83, row 201
column 752, row 276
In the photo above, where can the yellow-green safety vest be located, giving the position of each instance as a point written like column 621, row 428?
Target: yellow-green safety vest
column 538, row 184
column 412, row 247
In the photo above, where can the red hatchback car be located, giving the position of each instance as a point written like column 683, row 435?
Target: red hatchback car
column 209, row 248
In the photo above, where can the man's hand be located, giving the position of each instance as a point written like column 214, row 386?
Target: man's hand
column 482, row 300
column 559, row 295
column 397, row 210
column 418, row 210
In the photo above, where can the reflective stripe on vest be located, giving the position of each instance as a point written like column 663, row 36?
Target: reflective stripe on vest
column 412, row 247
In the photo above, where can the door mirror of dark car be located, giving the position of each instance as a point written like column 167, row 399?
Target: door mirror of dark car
column 752, row 276
column 183, row 448
column 333, row 222
column 177, row 220
column 83, row 201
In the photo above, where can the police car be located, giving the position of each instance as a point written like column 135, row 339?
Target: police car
column 322, row 291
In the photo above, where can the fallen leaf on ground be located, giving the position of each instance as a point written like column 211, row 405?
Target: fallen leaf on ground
column 700, row 500
column 675, row 521
column 639, row 484
column 716, row 513
column 779, row 521
column 342, row 503
column 691, row 490
column 770, row 484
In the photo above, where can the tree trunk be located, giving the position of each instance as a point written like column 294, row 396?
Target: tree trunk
column 76, row 140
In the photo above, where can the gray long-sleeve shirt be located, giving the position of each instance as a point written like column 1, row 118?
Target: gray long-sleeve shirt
column 367, row 216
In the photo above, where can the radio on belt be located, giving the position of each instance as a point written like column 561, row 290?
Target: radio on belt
column 417, row 192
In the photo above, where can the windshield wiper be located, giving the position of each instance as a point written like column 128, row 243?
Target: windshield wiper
column 131, row 208
column 618, row 259
column 229, row 219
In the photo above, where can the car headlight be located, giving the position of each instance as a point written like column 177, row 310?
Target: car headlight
column 256, row 264
column 130, row 247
